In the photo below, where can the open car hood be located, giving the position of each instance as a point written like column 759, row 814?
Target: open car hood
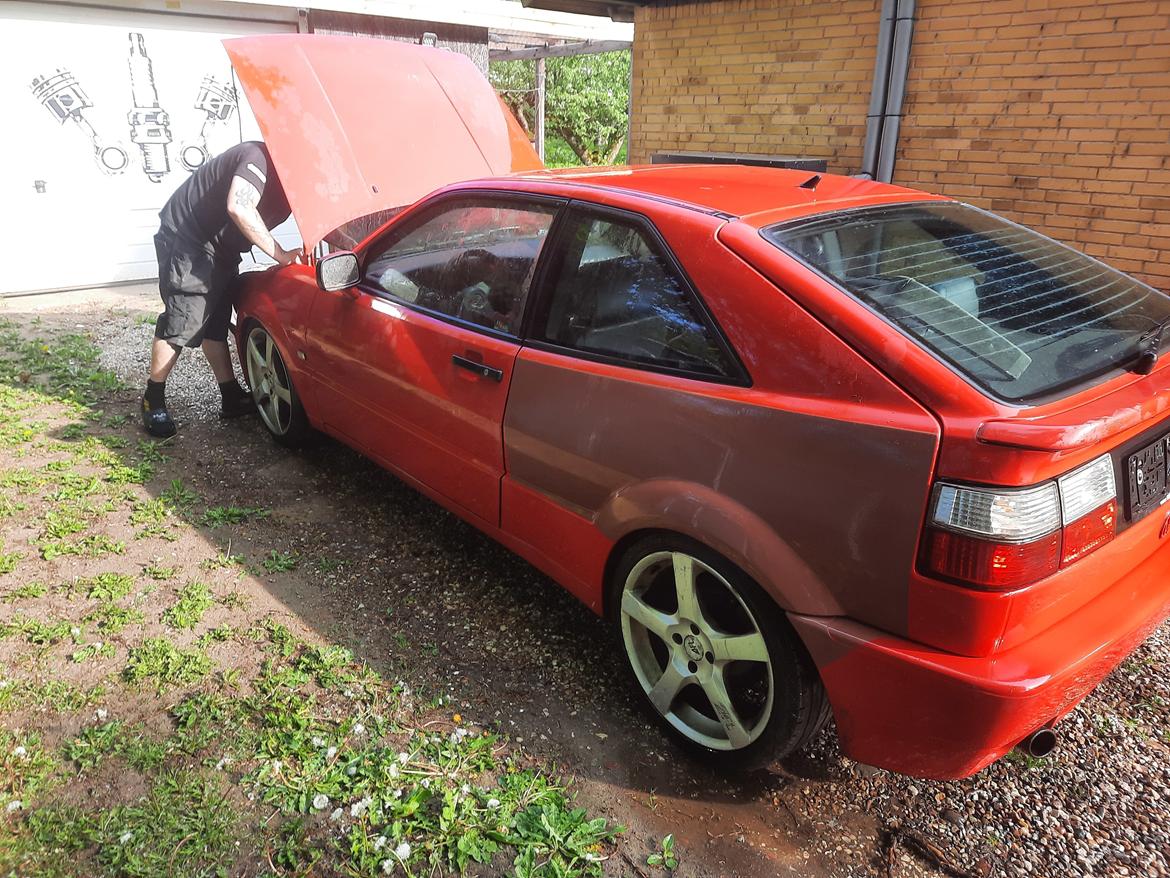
column 356, row 126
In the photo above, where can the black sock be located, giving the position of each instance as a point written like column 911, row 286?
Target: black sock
column 231, row 389
column 156, row 394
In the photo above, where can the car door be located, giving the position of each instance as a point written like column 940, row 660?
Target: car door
column 413, row 366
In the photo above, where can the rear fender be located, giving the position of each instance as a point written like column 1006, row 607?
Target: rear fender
column 725, row 526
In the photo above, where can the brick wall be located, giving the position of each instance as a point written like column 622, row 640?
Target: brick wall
column 1054, row 114
column 773, row 76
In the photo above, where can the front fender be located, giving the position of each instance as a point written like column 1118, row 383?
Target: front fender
column 729, row 528
column 279, row 300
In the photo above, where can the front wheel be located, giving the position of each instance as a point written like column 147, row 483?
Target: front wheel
column 712, row 656
column 273, row 391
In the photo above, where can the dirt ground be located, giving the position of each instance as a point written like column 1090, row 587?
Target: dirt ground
column 425, row 599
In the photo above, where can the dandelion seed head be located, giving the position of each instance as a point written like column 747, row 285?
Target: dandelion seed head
column 320, row 801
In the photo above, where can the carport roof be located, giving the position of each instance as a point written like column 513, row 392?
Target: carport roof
column 618, row 10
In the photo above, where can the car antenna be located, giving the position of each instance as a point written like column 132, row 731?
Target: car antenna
column 811, row 182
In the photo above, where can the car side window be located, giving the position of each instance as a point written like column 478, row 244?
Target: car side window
column 617, row 295
column 472, row 260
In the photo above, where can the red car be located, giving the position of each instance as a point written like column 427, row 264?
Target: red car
column 812, row 443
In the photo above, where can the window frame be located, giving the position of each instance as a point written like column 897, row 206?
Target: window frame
column 429, row 210
column 553, row 263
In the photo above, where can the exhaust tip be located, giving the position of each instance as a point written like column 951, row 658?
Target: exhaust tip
column 1040, row 743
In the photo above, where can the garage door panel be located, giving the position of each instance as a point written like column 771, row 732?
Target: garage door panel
column 106, row 111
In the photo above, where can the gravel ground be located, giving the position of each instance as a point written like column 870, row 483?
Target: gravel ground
column 514, row 649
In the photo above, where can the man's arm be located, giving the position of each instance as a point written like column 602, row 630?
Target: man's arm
column 243, row 199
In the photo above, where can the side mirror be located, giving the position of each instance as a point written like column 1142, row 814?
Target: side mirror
column 338, row 271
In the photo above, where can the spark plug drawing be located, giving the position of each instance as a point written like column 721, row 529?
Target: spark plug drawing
column 62, row 95
column 218, row 101
column 149, row 123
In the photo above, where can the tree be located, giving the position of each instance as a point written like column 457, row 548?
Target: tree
column 586, row 100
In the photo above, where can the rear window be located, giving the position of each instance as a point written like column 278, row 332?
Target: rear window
column 1020, row 314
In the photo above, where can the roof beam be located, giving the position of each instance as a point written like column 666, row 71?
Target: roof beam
column 559, row 50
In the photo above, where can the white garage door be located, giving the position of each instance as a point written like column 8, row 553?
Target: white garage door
column 104, row 113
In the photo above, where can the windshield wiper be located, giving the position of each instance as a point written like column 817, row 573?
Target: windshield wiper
column 1152, row 340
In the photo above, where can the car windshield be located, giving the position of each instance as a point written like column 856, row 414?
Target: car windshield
column 1019, row 313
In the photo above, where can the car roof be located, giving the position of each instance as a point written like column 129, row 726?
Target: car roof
column 757, row 194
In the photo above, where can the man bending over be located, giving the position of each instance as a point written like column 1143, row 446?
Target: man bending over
column 219, row 213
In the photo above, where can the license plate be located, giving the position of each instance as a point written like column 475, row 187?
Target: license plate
column 1147, row 478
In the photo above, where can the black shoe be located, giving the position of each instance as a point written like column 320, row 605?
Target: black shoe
column 236, row 405
column 157, row 421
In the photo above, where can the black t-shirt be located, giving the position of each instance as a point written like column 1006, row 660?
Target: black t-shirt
column 198, row 213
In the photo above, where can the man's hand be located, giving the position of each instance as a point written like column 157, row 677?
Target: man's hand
column 286, row 257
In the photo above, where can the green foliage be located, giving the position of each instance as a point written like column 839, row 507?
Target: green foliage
column 160, row 661
column 28, row 590
column 8, row 561
column 111, row 618
column 280, row 562
column 159, row 572
column 179, row 495
column 106, row 586
column 665, row 855
column 195, row 599
column 586, row 102
column 218, row 516
column 93, row 546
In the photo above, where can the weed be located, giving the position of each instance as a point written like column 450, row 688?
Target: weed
column 218, row 516
column 159, row 572
column 280, row 562
column 222, row 561
column 194, row 600
column 179, row 495
column 184, row 827
column 106, row 587
column 111, row 618
column 9, row 560
column 92, row 650
column 235, row 600
column 215, row 635
column 40, row 633
column 60, row 523
column 56, row 695
column 158, row 660
column 94, row 546
column 28, row 590
column 665, row 855
column 327, row 565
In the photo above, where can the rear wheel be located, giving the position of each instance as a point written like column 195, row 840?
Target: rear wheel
column 272, row 390
column 712, row 656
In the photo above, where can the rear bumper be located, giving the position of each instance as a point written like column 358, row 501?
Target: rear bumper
column 919, row 711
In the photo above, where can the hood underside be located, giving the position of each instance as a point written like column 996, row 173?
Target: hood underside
column 356, row 126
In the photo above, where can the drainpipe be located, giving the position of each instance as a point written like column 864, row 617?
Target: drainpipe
column 890, row 69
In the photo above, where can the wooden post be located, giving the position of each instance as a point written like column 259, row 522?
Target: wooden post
column 540, row 108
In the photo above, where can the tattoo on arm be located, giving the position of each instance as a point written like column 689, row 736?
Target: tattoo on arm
column 246, row 194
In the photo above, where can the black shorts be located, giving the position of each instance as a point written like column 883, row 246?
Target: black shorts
column 197, row 290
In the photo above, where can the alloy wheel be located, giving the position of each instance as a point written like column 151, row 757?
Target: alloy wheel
column 697, row 650
column 268, row 379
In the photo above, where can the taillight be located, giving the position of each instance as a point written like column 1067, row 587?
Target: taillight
column 1004, row 538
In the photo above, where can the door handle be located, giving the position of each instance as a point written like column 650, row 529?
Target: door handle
column 480, row 369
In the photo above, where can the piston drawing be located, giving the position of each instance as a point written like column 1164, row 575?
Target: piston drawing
column 62, row 95
column 149, row 123
column 218, row 101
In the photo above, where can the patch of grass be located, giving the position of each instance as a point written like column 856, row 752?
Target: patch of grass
column 215, row 635
column 222, row 561
column 9, row 560
column 179, row 495
column 94, row 546
column 194, row 600
column 26, row 768
column 280, row 562
column 111, row 618
column 159, row 572
column 92, row 650
column 184, row 827
column 327, row 565
column 62, row 522
column 116, row 738
column 218, row 516
column 160, row 662
column 9, row 507
column 235, row 600
column 38, row 632
column 56, row 695
column 106, row 587
column 28, row 590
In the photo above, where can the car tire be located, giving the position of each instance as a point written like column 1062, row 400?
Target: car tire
column 721, row 670
column 273, row 391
